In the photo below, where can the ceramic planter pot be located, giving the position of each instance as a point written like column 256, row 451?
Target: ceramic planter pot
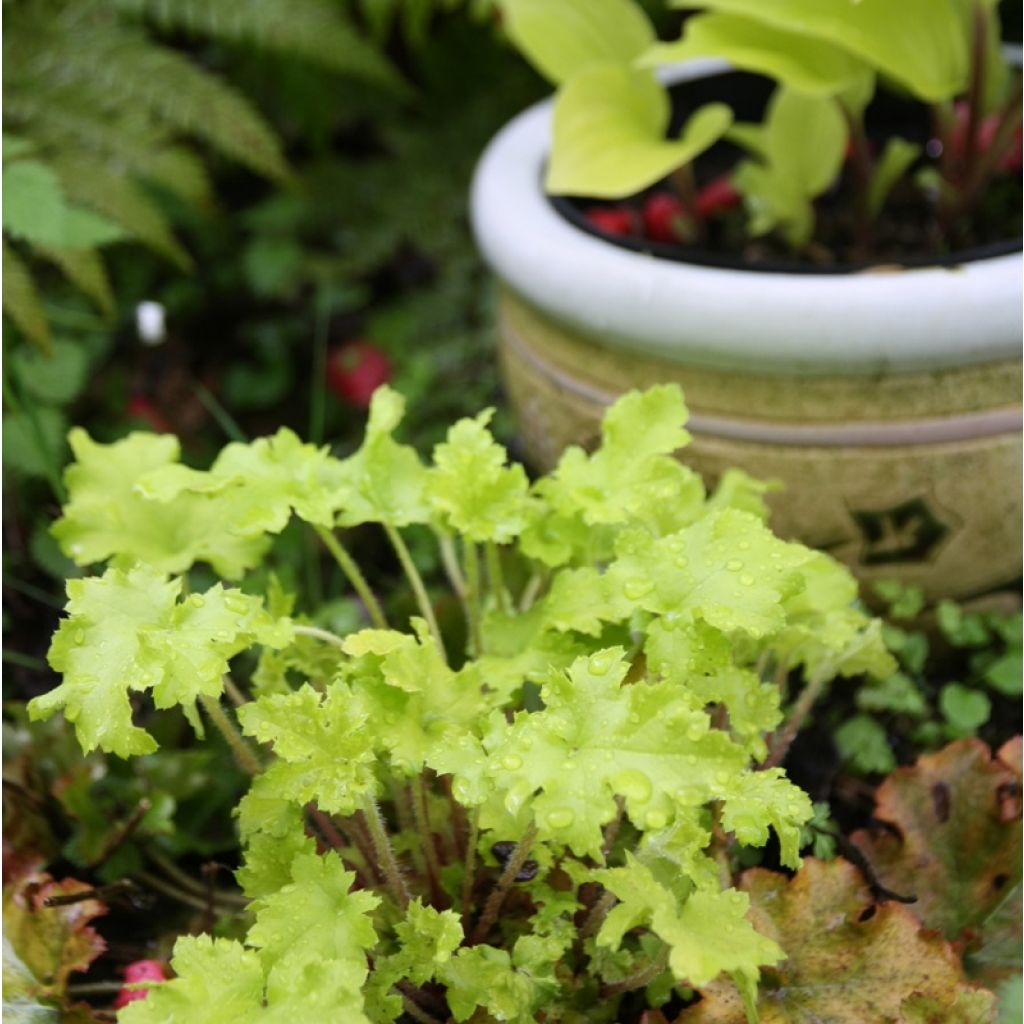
column 887, row 400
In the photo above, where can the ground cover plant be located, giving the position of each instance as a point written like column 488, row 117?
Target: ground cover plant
column 529, row 800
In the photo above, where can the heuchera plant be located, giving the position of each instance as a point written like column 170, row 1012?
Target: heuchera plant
column 826, row 56
column 528, row 828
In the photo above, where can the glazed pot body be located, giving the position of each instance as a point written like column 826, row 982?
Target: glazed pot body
column 886, row 401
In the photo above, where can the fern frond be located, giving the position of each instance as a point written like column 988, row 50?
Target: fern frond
column 117, row 69
column 110, row 193
column 180, row 171
column 21, row 300
column 85, row 269
column 314, row 30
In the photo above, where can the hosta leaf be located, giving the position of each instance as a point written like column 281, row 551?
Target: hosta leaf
column 384, row 481
column 472, row 489
column 609, row 133
column 847, row 961
column 805, row 63
column 128, row 631
column 51, row 942
column 561, row 37
column 919, row 43
column 950, row 839
column 258, row 484
column 707, row 932
column 107, row 517
column 323, row 746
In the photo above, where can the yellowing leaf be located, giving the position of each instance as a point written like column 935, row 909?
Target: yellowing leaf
column 847, row 961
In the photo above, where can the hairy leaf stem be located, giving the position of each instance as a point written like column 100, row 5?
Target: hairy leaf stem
column 450, row 561
column 421, row 811
column 472, row 558
column 385, row 853
column 245, row 756
column 783, row 739
column 354, row 575
column 598, row 912
column 412, row 574
column 181, row 895
column 512, row 868
column 642, row 978
column 321, row 634
column 470, row 869
column 190, row 884
column 497, row 577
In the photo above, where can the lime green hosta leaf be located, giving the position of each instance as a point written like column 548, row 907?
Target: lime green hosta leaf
column 415, row 703
column 384, row 481
column 106, row 517
column 807, row 64
column 323, row 746
column 609, row 133
column 918, row 43
column 217, row 980
column 707, row 932
column 471, row 488
column 801, row 147
column 485, row 976
column 257, row 485
column 595, row 739
column 128, row 631
column 727, row 569
column 561, row 37
column 316, row 916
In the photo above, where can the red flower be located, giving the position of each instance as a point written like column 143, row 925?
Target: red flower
column 140, row 408
column 139, row 970
column 664, row 216
column 612, row 220
column 716, row 197
column 355, row 370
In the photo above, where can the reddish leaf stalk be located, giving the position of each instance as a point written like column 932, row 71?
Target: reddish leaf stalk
column 512, row 868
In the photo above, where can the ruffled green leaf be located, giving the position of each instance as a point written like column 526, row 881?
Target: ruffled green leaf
column 128, row 631
column 384, row 481
column 324, row 748
column 707, row 932
column 106, row 517
column 759, row 799
column 258, row 485
column 485, row 976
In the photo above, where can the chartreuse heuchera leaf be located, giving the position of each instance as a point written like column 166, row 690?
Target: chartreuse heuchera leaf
column 604, row 736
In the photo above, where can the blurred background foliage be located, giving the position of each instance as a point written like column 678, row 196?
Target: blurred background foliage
column 287, row 179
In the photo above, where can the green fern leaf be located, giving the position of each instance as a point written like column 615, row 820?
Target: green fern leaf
column 21, row 300
column 315, row 30
column 115, row 67
column 84, row 268
column 96, row 185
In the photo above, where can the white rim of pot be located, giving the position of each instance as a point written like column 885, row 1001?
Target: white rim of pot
column 868, row 322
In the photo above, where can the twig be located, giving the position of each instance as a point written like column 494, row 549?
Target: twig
column 123, row 834
column 172, row 891
column 512, row 867
column 190, row 884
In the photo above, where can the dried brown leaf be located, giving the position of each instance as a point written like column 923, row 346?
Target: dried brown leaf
column 849, row 961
